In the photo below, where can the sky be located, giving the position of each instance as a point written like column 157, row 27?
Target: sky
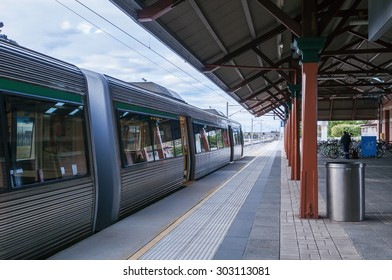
column 96, row 35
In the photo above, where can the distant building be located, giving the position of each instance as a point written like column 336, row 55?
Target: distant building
column 322, row 130
column 369, row 129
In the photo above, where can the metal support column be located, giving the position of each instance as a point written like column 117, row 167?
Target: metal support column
column 285, row 137
column 309, row 49
column 289, row 130
column 296, row 96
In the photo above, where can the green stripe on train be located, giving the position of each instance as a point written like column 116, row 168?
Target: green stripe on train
column 144, row 110
column 37, row 90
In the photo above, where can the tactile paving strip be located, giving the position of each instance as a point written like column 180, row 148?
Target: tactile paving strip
column 198, row 237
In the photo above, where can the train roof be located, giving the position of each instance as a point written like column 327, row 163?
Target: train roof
column 36, row 68
column 159, row 89
column 30, row 66
column 140, row 96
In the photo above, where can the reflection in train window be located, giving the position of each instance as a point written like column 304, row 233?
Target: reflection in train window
column 212, row 140
column 178, row 150
column 3, row 177
column 163, row 139
column 236, row 137
column 225, row 138
column 201, row 139
column 147, row 138
column 209, row 138
column 135, row 138
column 47, row 140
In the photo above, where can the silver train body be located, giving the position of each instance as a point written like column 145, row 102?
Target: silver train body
column 80, row 150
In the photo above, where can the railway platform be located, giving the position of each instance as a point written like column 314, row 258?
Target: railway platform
column 248, row 210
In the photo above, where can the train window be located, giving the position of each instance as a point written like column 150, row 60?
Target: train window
column 236, row 137
column 219, row 138
column 47, row 140
column 136, row 138
column 24, row 137
column 201, row 139
column 3, row 177
column 178, row 149
column 163, row 139
column 209, row 138
column 148, row 138
column 225, row 138
column 212, row 139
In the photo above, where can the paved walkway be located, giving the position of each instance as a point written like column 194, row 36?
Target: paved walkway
column 249, row 210
column 309, row 239
column 370, row 239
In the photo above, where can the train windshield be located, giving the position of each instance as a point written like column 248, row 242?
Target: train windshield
column 46, row 139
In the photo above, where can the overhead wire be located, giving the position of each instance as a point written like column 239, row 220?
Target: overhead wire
column 140, row 42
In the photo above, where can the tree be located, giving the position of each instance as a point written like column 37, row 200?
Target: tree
column 353, row 129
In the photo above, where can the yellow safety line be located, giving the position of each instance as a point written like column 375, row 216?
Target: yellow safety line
column 173, row 225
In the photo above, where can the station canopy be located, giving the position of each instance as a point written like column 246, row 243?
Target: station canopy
column 246, row 48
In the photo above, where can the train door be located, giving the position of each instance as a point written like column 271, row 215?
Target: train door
column 232, row 143
column 186, row 146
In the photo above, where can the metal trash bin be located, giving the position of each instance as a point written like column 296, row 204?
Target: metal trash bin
column 346, row 191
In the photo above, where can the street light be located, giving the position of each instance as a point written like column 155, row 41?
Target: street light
column 236, row 112
column 251, row 130
column 227, row 110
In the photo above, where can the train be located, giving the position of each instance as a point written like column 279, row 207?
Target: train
column 80, row 150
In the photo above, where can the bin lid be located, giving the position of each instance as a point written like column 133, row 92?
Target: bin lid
column 345, row 164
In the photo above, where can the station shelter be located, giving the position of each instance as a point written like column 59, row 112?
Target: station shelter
column 302, row 60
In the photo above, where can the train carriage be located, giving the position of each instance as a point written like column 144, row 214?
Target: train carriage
column 80, row 150
column 47, row 192
column 140, row 134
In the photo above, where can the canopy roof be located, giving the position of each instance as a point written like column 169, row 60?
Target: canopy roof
column 246, row 48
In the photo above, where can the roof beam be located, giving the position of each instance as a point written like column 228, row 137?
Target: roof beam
column 331, row 108
column 247, row 81
column 342, row 22
column 280, row 115
column 267, row 109
column 358, row 51
column 156, row 10
column 344, row 61
column 213, row 34
column 356, row 12
column 329, row 14
column 263, row 38
column 354, row 108
column 258, row 75
column 309, row 18
column 272, row 64
column 272, row 99
column 282, row 17
column 358, row 72
column 365, row 37
column 348, row 46
column 364, row 62
column 208, row 67
column 261, row 91
column 264, row 109
column 324, row 85
column 280, row 110
column 207, row 25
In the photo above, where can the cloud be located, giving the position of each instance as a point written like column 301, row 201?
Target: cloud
column 85, row 27
column 81, row 27
column 66, row 25
column 82, row 39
